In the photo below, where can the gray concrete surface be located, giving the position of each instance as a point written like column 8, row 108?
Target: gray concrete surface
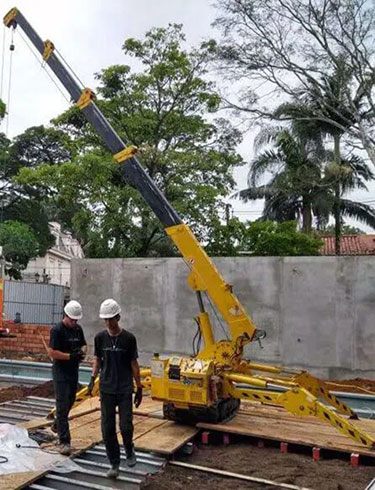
column 318, row 312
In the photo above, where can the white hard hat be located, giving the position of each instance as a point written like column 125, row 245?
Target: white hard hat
column 109, row 308
column 73, row 310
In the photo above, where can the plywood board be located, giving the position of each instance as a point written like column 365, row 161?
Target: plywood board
column 166, row 438
column 274, row 423
column 85, row 430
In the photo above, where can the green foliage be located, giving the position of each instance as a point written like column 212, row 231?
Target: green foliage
column 303, row 177
column 293, row 49
column 20, row 201
column 162, row 109
column 226, row 240
column 279, row 239
column 345, row 230
column 19, row 246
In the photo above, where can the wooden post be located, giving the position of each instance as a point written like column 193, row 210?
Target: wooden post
column 316, row 453
column 284, row 447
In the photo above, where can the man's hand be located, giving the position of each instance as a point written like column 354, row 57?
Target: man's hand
column 138, row 397
column 91, row 385
column 77, row 356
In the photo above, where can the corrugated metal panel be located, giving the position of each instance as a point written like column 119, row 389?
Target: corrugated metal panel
column 37, row 303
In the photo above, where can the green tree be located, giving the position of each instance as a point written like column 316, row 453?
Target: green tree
column 329, row 230
column 281, row 47
column 167, row 110
column 275, row 239
column 303, row 178
column 19, row 246
column 326, row 109
column 24, row 203
column 226, row 239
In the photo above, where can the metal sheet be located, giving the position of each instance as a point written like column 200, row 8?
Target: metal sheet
column 36, row 303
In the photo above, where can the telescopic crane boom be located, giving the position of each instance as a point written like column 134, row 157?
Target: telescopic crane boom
column 210, row 385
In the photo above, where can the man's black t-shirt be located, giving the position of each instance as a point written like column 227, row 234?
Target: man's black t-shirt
column 66, row 339
column 115, row 355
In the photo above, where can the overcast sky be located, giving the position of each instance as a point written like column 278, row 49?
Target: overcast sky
column 89, row 34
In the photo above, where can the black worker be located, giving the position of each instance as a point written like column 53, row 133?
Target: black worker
column 67, row 348
column 116, row 357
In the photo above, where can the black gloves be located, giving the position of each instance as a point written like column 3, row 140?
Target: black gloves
column 138, row 397
column 91, row 385
column 77, row 356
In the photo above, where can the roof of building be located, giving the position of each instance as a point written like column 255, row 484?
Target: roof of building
column 350, row 245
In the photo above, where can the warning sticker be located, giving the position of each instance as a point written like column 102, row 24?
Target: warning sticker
column 157, row 369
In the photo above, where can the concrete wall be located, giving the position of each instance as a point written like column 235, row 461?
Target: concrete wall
column 319, row 312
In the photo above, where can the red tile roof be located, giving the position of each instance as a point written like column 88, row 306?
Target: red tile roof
column 350, row 245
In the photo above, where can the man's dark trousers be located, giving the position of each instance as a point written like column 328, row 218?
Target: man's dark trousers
column 108, row 403
column 65, row 393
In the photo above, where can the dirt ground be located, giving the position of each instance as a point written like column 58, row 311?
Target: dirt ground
column 268, row 463
column 243, row 457
column 17, row 392
column 21, row 356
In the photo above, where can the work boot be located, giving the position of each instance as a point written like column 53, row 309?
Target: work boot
column 65, row 449
column 131, row 458
column 114, row 471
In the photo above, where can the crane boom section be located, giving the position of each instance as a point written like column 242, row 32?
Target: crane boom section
column 207, row 277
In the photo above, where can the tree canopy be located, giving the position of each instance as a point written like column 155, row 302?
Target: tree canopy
column 19, row 246
column 167, row 109
column 294, row 47
column 278, row 239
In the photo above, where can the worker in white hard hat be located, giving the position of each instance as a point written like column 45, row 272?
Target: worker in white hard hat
column 116, row 357
column 67, row 348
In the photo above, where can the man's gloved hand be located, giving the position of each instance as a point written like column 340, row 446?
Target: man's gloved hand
column 77, row 356
column 138, row 397
column 91, row 385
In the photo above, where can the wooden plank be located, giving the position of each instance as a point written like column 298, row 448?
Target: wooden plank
column 86, row 432
column 14, row 481
column 274, row 423
column 148, row 407
column 166, row 438
column 86, row 407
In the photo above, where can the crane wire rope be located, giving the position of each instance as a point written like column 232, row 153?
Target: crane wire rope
column 2, row 64
column 42, row 65
column 11, row 48
column 69, row 68
column 212, row 306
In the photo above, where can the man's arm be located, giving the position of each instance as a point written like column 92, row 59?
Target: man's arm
column 55, row 345
column 137, row 377
column 136, row 373
column 83, row 342
column 95, row 367
column 94, row 373
column 58, row 355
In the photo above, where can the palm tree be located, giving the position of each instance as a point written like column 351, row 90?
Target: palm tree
column 303, row 179
column 324, row 108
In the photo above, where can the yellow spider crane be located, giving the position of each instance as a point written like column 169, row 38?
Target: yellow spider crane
column 209, row 386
